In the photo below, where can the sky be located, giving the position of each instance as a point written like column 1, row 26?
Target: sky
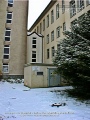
column 35, row 9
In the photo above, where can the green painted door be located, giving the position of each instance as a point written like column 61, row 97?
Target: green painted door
column 53, row 78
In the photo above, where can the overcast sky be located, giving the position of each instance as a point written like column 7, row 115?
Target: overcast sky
column 35, row 9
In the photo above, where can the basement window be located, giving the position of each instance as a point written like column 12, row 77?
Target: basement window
column 39, row 73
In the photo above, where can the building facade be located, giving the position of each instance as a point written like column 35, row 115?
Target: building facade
column 13, row 37
column 58, row 16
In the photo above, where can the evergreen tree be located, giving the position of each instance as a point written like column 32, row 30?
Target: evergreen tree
column 73, row 58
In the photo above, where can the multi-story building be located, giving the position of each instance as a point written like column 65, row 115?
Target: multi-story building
column 58, row 16
column 13, row 36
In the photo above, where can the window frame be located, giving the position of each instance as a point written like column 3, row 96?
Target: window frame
column 80, row 5
column 52, row 36
column 39, row 73
column 58, row 32
column 52, row 16
column 47, row 38
column 33, row 58
column 37, row 29
column 72, row 8
column 53, row 51
column 6, row 54
column 57, row 11
column 73, row 23
column 47, row 20
column 48, row 53
column 5, row 65
column 64, row 26
column 87, row 2
column 63, row 6
column 34, row 44
column 58, row 47
column 10, row 4
column 43, row 24
column 40, row 28
column 9, row 20
column 7, row 38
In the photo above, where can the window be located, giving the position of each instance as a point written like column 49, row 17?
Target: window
column 5, row 68
column 33, row 42
column 52, row 16
column 80, row 5
column 37, row 29
column 64, row 26
column 10, row 3
column 87, row 2
column 33, row 56
column 47, row 53
column 47, row 38
column 43, row 24
column 9, row 17
column 7, row 38
column 88, row 12
column 58, row 31
column 47, row 20
column 73, row 23
column 40, row 27
column 72, row 8
column 52, row 35
column 39, row 73
column 58, row 47
column 57, row 11
column 80, row 18
column 6, row 52
column 53, row 51
column 7, row 32
column 63, row 6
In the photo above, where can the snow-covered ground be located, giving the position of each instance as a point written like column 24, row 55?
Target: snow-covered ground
column 18, row 102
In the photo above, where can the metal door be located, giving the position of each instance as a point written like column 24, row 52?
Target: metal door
column 53, row 78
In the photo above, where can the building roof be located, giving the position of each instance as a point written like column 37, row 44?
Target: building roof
column 30, row 33
column 51, row 3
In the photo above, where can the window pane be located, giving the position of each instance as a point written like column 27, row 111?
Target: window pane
column 57, row 11
column 33, row 60
column 52, row 16
column 72, row 8
column 10, row 1
column 10, row 5
column 39, row 73
column 6, row 56
column 52, row 35
column 6, row 45
column 6, row 50
column 44, row 24
column 5, row 68
column 7, row 33
column 47, row 38
column 58, row 31
column 33, row 46
column 7, row 38
column 9, row 15
column 33, row 41
column 58, row 47
column 8, row 21
column 64, row 26
column 53, row 51
column 48, row 21
column 47, row 53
